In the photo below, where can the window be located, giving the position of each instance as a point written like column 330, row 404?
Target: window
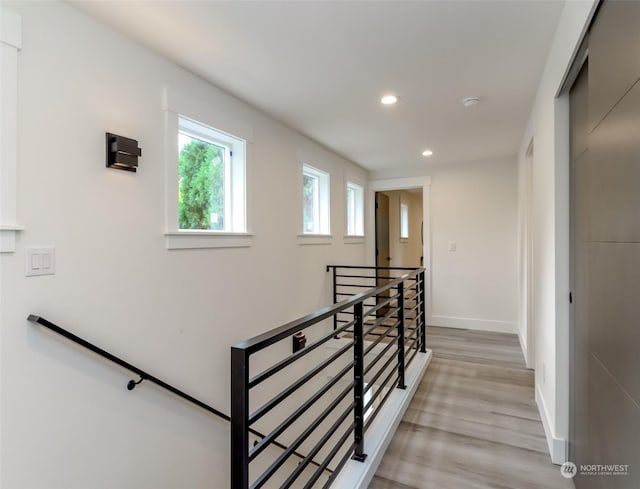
column 355, row 210
column 211, row 179
column 315, row 201
column 404, row 221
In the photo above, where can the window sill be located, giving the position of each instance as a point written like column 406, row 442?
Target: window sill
column 185, row 240
column 8, row 237
column 315, row 239
column 354, row 239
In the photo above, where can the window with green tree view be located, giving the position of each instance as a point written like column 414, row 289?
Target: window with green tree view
column 211, row 179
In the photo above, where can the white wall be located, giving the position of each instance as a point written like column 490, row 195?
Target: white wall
column 474, row 205
column 549, row 128
column 67, row 419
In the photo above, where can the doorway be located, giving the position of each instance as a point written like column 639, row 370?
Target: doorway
column 399, row 228
column 421, row 186
column 398, row 232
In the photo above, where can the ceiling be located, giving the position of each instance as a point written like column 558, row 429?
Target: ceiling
column 321, row 67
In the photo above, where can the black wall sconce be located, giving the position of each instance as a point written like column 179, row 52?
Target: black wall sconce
column 122, row 153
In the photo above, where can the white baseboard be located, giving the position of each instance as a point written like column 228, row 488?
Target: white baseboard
column 557, row 446
column 475, row 324
column 358, row 475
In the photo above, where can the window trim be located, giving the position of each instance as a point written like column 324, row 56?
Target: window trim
column 176, row 104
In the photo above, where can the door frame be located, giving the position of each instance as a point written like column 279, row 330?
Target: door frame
column 526, row 259
column 388, row 184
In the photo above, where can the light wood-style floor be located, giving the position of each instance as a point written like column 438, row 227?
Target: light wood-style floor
column 473, row 423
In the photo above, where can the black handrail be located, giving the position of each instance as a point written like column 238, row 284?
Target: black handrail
column 138, row 371
column 34, row 319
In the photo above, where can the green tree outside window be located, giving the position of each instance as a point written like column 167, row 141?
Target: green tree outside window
column 201, row 186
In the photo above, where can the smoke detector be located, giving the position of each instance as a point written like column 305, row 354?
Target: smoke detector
column 470, row 101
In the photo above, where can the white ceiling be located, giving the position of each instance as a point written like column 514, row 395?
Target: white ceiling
column 322, row 66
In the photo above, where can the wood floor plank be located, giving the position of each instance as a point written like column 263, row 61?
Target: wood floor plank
column 473, row 423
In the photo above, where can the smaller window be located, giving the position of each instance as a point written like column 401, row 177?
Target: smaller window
column 404, row 221
column 355, row 210
column 315, row 201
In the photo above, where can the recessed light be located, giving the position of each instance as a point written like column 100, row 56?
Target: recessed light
column 389, row 99
column 427, row 152
column 470, row 101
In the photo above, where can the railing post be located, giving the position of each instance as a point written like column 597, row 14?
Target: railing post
column 358, row 388
column 239, row 418
column 423, row 309
column 335, row 297
column 401, row 384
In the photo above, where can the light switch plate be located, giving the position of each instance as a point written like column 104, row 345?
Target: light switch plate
column 40, row 261
column 453, row 246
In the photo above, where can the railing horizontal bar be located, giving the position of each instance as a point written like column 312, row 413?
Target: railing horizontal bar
column 386, row 364
column 379, row 322
column 330, row 432
column 375, row 412
column 413, row 333
column 411, row 345
column 339, row 466
column 373, row 333
column 360, row 286
column 268, row 406
column 334, row 451
column 373, row 277
column 264, row 477
column 413, row 308
column 381, row 388
column 380, row 305
column 274, row 369
column 356, row 276
column 293, row 417
column 411, row 356
column 273, row 336
column 351, row 267
column 364, row 304
column 377, row 358
column 118, row 361
column 382, row 336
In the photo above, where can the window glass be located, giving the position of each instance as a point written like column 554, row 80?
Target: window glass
column 404, row 221
column 211, row 174
column 355, row 210
column 315, row 201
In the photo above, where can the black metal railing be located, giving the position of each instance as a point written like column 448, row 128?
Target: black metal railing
column 351, row 280
column 323, row 400
column 143, row 375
